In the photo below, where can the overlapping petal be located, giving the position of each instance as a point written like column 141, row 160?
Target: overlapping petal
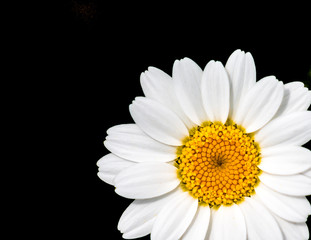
column 187, row 77
column 216, row 92
column 130, row 142
column 296, row 98
column 294, row 185
column 242, row 75
column 175, row 217
column 293, row 129
column 146, row 180
column 260, row 104
column 290, row 208
column 307, row 173
column 292, row 230
column 159, row 86
column 198, row 228
column 228, row 223
column 158, row 121
column 285, row 160
column 110, row 165
column 260, row 223
column 138, row 219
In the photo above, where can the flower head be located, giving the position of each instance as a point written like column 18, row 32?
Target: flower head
column 213, row 154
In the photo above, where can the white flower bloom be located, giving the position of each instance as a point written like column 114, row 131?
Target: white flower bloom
column 213, row 154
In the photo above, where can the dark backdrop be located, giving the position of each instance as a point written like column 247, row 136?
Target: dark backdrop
column 98, row 53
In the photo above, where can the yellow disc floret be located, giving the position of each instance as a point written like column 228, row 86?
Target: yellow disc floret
column 218, row 164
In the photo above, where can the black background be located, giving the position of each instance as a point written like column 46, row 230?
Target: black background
column 97, row 53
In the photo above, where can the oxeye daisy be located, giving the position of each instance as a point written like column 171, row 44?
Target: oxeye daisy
column 213, row 154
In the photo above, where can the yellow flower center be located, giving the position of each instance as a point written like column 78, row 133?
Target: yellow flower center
column 218, row 163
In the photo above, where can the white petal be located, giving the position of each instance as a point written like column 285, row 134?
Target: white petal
column 293, row 230
column 210, row 226
column 159, row 86
column 175, row 217
column 260, row 224
column 158, row 121
column 137, row 220
column 260, row 104
column 130, row 142
column 187, row 77
column 123, row 128
column 294, row 185
column 296, row 98
column 228, row 223
column 308, row 102
column 285, row 160
column 292, row 129
column 307, row 173
column 295, row 209
column 110, row 165
column 141, row 231
column 198, row 228
column 216, row 92
column 294, row 85
column 233, row 60
column 242, row 75
column 146, row 180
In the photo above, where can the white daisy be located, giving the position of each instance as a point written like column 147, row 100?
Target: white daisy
column 213, row 154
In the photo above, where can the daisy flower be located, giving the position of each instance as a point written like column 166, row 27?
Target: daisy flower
column 213, row 154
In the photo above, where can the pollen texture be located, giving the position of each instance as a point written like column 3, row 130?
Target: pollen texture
column 218, row 164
